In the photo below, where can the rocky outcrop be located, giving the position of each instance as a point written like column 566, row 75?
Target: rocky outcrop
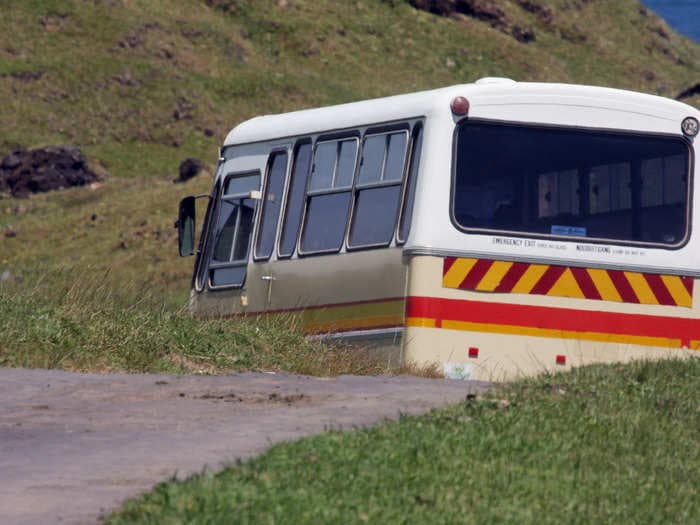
column 189, row 168
column 487, row 11
column 24, row 172
column 690, row 92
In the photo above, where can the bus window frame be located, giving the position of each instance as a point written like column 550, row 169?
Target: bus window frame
column 294, row 149
column 356, row 135
column 265, row 186
column 417, row 126
column 242, row 262
column 405, row 129
column 564, row 238
column 199, row 275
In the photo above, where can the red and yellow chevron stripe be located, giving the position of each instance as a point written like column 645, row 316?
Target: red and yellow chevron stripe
column 566, row 281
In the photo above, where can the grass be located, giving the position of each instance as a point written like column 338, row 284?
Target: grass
column 116, row 76
column 92, row 327
column 601, row 444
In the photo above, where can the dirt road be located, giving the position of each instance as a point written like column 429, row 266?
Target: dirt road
column 73, row 446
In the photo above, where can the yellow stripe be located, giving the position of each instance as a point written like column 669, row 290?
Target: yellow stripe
column 675, row 287
column 351, row 316
column 358, row 323
column 530, row 278
column 566, row 286
column 493, row 276
column 563, row 334
column 456, row 274
column 694, row 345
column 604, row 284
column 421, row 322
column 641, row 288
column 352, row 311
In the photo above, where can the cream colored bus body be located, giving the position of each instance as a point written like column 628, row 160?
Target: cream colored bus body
column 368, row 295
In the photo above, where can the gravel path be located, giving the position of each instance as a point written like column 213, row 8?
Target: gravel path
column 73, row 446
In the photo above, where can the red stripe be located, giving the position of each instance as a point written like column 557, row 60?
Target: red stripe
column 659, row 289
column 447, row 263
column 554, row 318
column 547, row 280
column 623, row 286
column 688, row 283
column 586, row 284
column 511, row 278
column 475, row 275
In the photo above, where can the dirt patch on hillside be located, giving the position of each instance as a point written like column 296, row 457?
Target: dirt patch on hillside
column 487, row 11
column 692, row 91
column 24, row 171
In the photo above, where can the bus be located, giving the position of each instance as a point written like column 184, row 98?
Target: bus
column 497, row 228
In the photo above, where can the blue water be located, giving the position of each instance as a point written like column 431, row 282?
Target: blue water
column 681, row 15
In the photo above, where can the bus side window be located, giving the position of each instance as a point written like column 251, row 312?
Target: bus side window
column 271, row 205
column 378, row 190
column 329, row 195
column 234, row 227
column 410, row 189
column 295, row 200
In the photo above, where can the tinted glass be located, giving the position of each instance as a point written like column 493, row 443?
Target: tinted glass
column 372, row 159
column 675, row 179
column 324, row 165
column 208, row 225
column 558, row 193
column 326, row 217
column 346, row 164
column 556, row 181
column 234, row 227
column 375, row 215
column 226, row 227
column 242, row 185
column 395, row 156
column 664, row 181
column 272, row 203
column 609, row 188
column 231, row 276
column 295, row 201
column 410, row 192
column 245, row 229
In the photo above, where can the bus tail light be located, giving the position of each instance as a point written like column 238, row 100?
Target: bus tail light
column 459, row 106
column 473, row 352
column 561, row 359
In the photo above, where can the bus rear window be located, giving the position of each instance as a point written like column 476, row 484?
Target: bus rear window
column 552, row 181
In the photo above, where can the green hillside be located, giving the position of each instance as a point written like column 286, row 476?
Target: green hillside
column 140, row 85
column 138, row 82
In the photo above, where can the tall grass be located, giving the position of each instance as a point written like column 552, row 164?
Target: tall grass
column 90, row 325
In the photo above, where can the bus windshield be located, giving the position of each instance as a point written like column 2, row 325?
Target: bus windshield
column 555, row 181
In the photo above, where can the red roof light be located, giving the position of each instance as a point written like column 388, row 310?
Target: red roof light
column 459, row 106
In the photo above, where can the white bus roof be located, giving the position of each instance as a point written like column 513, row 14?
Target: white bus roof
column 481, row 94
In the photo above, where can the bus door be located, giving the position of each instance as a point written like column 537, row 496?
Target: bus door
column 235, row 219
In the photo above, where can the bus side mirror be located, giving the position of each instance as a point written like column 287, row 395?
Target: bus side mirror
column 185, row 226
